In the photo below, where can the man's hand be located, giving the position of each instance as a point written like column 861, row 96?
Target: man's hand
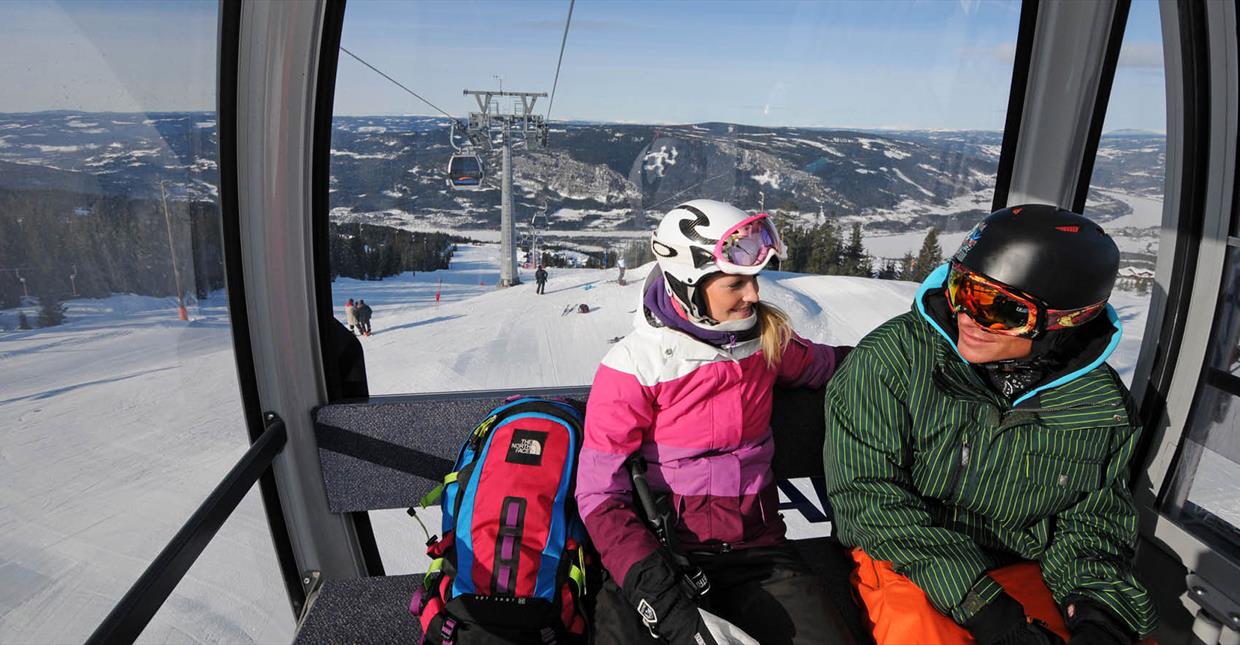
column 1090, row 624
column 1002, row 622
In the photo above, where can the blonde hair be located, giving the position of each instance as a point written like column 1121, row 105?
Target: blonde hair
column 774, row 331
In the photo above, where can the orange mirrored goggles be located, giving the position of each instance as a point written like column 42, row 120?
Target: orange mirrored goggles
column 1000, row 309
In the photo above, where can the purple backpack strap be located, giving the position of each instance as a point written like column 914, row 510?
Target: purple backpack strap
column 448, row 630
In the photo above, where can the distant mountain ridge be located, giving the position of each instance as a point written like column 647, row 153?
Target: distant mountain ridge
column 593, row 177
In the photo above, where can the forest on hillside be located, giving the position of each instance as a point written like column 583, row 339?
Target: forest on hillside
column 60, row 244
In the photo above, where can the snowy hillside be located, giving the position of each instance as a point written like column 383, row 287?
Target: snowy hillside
column 122, row 420
column 599, row 181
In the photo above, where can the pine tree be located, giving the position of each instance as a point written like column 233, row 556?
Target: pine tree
column 22, row 321
column 906, row 266
column 889, row 271
column 824, row 255
column 929, row 257
column 855, row 260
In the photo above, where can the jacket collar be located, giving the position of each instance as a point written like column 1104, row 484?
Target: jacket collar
column 932, row 288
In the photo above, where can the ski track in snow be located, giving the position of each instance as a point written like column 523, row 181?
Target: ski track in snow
column 123, row 419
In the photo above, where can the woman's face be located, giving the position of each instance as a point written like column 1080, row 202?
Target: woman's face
column 977, row 345
column 730, row 297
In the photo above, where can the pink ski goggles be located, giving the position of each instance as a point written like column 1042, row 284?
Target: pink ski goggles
column 745, row 249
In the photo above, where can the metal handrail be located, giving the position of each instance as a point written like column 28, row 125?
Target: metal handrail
column 131, row 615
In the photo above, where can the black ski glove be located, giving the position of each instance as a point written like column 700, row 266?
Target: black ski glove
column 652, row 586
column 1002, row 622
column 1090, row 624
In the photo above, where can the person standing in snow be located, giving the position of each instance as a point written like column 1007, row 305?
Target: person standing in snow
column 540, row 277
column 620, row 266
column 689, row 391
column 350, row 315
column 363, row 312
column 979, row 447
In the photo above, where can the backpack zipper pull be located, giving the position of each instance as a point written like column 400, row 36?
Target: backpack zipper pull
column 964, row 453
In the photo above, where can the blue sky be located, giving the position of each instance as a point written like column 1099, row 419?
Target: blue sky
column 871, row 64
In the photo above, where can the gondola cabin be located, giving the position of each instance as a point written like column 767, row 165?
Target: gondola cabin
column 465, row 172
column 198, row 446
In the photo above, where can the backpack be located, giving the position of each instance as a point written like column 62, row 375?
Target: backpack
column 511, row 564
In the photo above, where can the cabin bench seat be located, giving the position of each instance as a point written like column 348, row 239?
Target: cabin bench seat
column 388, row 452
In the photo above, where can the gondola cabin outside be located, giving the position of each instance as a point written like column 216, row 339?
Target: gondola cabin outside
column 465, row 172
column 196, row 199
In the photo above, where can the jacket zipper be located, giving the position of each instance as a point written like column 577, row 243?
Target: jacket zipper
column 959, row 471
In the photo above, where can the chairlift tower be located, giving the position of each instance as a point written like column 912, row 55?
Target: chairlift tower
column 482, row 126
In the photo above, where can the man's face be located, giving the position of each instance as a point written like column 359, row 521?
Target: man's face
column 977, row 345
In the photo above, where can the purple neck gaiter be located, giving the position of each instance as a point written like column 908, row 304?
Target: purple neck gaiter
column 659, row 303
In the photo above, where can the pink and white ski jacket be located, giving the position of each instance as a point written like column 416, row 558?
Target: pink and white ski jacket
column 700, row 415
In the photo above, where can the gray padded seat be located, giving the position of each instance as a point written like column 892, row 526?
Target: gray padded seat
column 388, row 452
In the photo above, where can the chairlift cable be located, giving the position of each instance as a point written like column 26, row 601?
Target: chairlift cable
column 568, row 21
column 398, row 83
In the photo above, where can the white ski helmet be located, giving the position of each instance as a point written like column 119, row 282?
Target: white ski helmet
column 704, row 236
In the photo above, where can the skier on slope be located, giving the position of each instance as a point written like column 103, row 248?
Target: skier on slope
column 540, row 277
column 350, row 315
column 363, row 311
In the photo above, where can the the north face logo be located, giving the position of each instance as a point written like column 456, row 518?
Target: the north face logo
column 526, row 447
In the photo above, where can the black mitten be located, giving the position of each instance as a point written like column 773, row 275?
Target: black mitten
column 1090, row 624
column 654, row 589
column 1002, row 622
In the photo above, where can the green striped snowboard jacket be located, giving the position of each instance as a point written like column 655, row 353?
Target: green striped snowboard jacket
column 931, row 469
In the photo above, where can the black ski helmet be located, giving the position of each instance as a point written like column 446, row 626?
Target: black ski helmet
column 1057, row 256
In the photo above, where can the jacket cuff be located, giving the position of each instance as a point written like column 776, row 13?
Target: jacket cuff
column 996, row 621
column 982, row 593
column 1080, row 611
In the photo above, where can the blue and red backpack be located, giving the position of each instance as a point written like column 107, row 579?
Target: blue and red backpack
column 512, row 560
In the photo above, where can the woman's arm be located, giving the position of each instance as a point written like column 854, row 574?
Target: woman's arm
column 619, row 412
column 808, row 364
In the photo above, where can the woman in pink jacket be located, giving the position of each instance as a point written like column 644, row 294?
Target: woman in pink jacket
column 689, row 391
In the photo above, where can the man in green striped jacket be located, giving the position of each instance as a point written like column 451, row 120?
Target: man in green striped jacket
column 984, row 429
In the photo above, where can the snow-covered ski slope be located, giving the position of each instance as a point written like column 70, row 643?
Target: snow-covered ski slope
column 120, row 422
column 517, row 338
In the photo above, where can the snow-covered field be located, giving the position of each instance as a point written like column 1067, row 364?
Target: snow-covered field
column 123, row 419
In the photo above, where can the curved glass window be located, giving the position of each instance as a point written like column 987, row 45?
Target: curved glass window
column 869, row 131
column 118, row 383
column 1126, row 189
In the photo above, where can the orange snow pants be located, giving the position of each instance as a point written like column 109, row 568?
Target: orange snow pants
column 900, row 613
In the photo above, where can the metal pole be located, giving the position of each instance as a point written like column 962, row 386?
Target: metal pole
column 172, row 252
column 507, row 247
